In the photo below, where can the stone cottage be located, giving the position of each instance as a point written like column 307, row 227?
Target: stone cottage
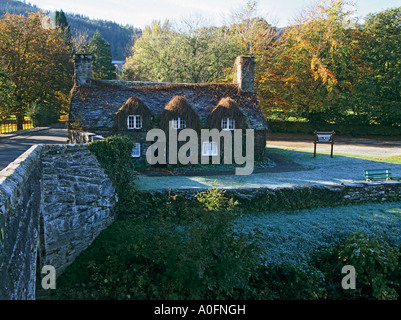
column 101, row 108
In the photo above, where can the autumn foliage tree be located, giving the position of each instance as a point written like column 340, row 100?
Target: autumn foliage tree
column 6, row 95
column 37, row 62
column 311, row 70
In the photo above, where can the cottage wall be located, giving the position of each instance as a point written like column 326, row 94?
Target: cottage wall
column 103, row 107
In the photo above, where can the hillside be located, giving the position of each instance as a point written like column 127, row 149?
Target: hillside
column 120, row 37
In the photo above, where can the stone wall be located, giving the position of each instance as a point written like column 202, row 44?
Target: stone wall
column 55, row 198
column 20, row 198
column 83, row 69
column 282, row 199
column 77, row 202
column 82, row 137
column 244, row 73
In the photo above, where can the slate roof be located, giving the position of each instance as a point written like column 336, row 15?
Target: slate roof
column 96, row 105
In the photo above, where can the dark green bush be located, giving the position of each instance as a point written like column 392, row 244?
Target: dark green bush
column 114, row 155
column 203, row 257
column 377, row 266
column 290, row 282
column 250, row 201
column 42, row 115
column 345, row 128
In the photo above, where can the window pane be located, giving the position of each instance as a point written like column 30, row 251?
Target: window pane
column 136, row 150
column 138, row 122
column 130, row 122
column 209, row 149
column 178, row 123
column 224, row 123
column 232, row 124
column 227, row 124
column 213, row 150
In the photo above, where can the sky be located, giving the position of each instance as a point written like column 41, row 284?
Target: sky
column 139, row 13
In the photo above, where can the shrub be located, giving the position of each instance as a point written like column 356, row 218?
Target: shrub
column 42, row 114
column 114, row 155
column 376, row 263
column 291, row 282
column 203, row 257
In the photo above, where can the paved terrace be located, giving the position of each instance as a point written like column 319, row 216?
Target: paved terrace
column 296, row 166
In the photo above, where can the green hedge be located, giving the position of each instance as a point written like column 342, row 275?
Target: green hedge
column 344, row 129
column 114, row 155
column 249, row 200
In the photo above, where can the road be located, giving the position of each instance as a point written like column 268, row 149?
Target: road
column 13, row 145
column 363, row 146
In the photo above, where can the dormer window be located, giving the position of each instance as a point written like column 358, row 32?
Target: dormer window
column 134, row 122
column 227, row 124
column 178, row 123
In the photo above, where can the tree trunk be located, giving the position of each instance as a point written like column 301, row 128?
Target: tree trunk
column 20, row 121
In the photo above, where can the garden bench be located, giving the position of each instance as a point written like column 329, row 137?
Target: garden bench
column 377, row 174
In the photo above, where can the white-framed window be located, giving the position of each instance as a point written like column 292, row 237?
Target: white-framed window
column 178, row 123
column 134, row 122
column 209, row 148
column 136, row 150
column 227, row 124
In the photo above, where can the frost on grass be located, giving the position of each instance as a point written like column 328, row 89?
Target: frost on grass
column 321, row 170
column 291, row 237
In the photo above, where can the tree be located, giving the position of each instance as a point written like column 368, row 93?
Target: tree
column 312, row 68
column 101, row 55
column 7, row 101
column 36, row 61
column 254, row 35
column 61, row 22
column 195, row 54
column 382, row 50
column 252, row 32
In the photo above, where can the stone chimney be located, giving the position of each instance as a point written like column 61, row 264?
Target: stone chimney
column 83, row 69
column 244, row 73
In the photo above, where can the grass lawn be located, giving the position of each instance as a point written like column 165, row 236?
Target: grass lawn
column 391, row 159
column 110, row 266
column 290, row 237
column 322, row 170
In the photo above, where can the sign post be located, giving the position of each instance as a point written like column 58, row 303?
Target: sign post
column 323, row 137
